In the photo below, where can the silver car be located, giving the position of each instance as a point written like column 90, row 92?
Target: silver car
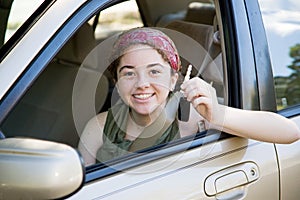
column 53, row 79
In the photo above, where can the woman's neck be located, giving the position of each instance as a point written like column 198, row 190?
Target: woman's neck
column 142, row 120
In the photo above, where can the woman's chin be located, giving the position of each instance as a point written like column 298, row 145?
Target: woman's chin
column 143, row 112
column 146, row 111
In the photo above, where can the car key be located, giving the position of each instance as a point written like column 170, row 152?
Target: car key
column 184, row 105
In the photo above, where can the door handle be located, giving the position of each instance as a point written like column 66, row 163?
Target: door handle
column 231, row 181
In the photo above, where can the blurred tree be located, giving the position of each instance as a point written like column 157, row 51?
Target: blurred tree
column 295, row 54
column 293, row 84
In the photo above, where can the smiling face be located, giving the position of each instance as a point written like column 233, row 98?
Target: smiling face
column 144, row 79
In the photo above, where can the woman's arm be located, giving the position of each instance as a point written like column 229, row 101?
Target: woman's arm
column 91, row 138
column 258, row 125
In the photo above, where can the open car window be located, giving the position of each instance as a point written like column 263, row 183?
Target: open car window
column 116, row 18
column 76, row 86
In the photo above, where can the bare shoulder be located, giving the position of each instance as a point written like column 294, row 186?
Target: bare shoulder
column 97, row 122
column 101, row 118
column 91, row 138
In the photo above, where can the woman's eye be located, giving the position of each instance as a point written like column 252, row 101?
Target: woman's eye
column 128, row 74
column 155, row 72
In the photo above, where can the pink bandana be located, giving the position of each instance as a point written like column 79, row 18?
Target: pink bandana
column 151, row 37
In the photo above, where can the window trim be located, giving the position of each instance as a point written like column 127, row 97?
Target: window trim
column 265, row 82
column 291, row 111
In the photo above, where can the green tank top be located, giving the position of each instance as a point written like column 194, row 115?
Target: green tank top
column 114, row 142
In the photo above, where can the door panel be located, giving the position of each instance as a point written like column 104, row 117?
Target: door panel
column 289, row 163
column 183, row 176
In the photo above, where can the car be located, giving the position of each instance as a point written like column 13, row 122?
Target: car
column 53, row 75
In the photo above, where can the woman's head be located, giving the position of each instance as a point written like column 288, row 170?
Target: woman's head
column 144, row 36
column 145, row 66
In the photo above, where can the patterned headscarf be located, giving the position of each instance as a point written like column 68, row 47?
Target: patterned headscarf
column 148, row 36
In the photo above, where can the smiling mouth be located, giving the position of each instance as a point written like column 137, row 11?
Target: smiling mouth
column 142, row 96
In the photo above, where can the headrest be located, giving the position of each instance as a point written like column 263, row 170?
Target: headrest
column 79, row 45
column 200, row 32
column 202, row 13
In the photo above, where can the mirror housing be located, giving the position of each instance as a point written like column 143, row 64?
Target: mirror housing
column 37, row 169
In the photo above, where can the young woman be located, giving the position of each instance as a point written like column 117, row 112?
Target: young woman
column 145, row 65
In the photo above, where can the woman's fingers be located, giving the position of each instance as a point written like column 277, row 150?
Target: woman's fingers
column 202, row 96
column 192, row 93
column 195, row 87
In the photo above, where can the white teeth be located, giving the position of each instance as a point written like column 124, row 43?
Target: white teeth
column 142, row 96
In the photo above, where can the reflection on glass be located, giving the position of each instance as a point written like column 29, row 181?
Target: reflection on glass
column 281, row 20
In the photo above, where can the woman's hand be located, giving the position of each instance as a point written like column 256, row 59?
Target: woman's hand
column 204, row 99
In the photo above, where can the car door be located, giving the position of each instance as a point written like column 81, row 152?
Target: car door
column 208, row 165
column 211, row 166
column 233, row 168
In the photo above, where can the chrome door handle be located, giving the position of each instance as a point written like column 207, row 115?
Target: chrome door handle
column 230, row 181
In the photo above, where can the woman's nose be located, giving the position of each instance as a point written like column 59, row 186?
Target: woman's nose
column 142, row 81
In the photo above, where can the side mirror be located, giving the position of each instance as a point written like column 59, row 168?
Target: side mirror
column 37, row 169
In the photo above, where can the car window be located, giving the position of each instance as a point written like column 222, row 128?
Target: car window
column 281, row 20
column 76, row 85
column 20, row 11
column 117, row 18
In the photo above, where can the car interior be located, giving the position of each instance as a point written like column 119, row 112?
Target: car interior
column 47, row 109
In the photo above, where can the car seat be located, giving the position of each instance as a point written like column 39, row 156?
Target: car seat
column 211, row 69
column 46, row 112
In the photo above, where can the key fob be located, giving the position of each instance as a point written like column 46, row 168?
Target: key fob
column 184, row 110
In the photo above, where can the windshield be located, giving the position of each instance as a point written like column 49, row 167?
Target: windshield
column 20, row 11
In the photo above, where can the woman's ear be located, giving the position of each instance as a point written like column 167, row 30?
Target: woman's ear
column 174, row 79
column 117, row 87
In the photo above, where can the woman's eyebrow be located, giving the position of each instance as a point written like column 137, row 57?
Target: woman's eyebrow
column 155, row 64
column 148, row 66
column 126, row 66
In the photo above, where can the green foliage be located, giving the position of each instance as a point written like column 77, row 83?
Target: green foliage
column 295, row 54
column 288, row 88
